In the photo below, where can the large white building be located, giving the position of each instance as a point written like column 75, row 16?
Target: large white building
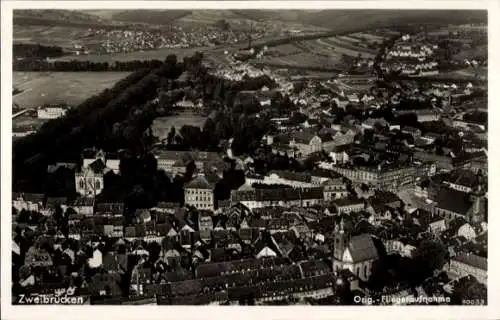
column 284, row 197
column 199, row 192
column 51, row 112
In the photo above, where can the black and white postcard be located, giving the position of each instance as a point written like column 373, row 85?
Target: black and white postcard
column 249, row 155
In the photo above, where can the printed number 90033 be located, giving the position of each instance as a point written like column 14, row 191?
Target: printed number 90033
column 473, row 302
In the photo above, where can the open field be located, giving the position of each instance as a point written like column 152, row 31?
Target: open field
column 318, row 53
column 61, row 87
column 345, row 47
column 62, row 36
column 161, row 126
column 157, row 54
column 368, row 36
column 328, row 44
column 477, row 51
column 27, row 121
column 480, row 73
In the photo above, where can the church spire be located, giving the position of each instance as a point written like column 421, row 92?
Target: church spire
column 342, row 225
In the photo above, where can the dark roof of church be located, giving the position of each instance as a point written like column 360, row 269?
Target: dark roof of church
column 97, row 166
column 362, row 248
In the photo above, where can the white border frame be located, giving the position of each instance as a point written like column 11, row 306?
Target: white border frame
column 292, row 312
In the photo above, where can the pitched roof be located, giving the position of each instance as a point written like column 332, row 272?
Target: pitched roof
column 84, row 202
column 55, row 201
column 187, row 156
column 453, row 200
column 303, row 137
column 33, row 197
column 325, row 137
column 362, row 248
column 203, row 182
column 97, row 166
column 323, row 173
column 110, row 208
column 311, row 266
column 464, row 178
column 472, row 260
column 410, row 129
column 348, row 201
column 291, row 175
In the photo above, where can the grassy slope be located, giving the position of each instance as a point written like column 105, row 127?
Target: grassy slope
column 342, row 19
column 159, row 17
column 332, row 19
column 72, row 16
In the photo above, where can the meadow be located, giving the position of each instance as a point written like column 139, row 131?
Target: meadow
column 343, row 46
column 156, row 54
column 71, row 88
column 317, row 53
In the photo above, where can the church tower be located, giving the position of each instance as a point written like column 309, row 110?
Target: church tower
column 341, row 243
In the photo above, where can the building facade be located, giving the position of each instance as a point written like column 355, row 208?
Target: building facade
column 199, row 192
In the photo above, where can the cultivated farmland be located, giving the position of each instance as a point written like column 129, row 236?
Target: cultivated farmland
column 72, row 88
column 344, row 46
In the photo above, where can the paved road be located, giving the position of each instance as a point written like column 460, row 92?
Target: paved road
column 17, row 114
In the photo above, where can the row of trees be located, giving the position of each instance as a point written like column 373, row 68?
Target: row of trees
column 35, row 51
column 25, row 65
column 116, row 118
column 394, row 271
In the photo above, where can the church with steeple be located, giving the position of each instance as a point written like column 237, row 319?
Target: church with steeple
column 355, row 253
column 89, row 181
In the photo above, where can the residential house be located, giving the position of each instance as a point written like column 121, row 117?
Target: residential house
column 282, row 177
column 334, row 189
column 464, row 264
column 310, row 123
column 451, row 203
column 321, row 176
column 384, row 199
column 306, row 142
column 400, row 247
column 51, row 112
column 441, row 162
column 427, row 115
column 28, row 201
column 349, row 205
column 105, row 285
column 371, row 123
column 437, row 225
column 285, row 197
column 463, row 180
column 414, row 132
column 84, row 206
column 109, row 208
column 176, row 161
column 340, row 154
column 37, row 257
column 467, row 231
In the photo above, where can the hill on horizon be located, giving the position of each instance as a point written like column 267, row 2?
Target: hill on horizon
column 332, row 19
